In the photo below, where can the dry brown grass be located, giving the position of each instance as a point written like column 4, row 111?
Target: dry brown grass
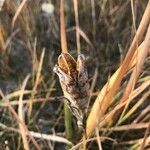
column 31, row 111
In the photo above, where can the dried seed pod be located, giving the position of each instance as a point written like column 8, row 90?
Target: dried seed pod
column 73, row 78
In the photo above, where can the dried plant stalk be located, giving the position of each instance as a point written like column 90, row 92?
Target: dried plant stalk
column 21, row 116
column 62, row 28
column 75, row 4
column 2, row 43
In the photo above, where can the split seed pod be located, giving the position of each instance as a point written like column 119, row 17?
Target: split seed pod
column 73, row 78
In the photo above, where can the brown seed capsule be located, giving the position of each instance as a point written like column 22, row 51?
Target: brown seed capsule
column 73, row 78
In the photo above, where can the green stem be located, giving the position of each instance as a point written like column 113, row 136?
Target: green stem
column 68, row 122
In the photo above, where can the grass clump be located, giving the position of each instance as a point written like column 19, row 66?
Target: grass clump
column 115, row 38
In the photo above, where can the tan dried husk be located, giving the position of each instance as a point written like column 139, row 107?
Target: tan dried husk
column 67, row 63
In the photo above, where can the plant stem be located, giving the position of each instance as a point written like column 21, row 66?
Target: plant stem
column 68, row 122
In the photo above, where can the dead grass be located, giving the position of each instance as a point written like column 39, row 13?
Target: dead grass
column 115, row 37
